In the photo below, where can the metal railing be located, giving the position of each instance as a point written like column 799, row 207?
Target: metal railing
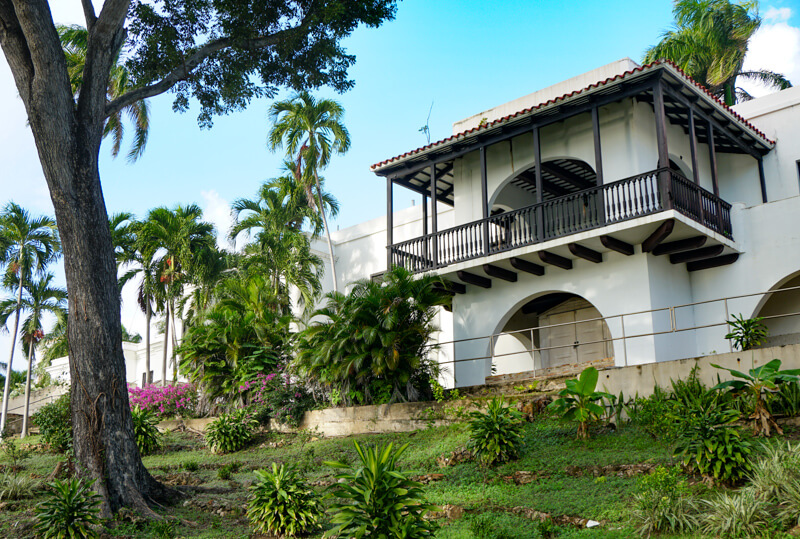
column 625, row 336
column 623, row 200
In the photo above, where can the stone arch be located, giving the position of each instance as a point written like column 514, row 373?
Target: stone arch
column 523, row 175
column 774, row 308
column 548, row 330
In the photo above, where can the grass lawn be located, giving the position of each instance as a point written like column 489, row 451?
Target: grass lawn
column 488, row 497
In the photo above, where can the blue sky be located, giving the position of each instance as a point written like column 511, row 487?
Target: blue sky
column 465, row 56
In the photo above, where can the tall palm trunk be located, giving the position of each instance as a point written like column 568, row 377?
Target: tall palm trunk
column 174, row 345
column 164, row 356
column 31, row 351
column 148, row 377
column 7, row 388
column 327, row 230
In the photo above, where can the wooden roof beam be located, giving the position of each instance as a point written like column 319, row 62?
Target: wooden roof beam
column 696, row 254
column 584, row 252
column 715, row 262
column 614, row 244
column 555, row 260
column 477, row 280
column 680, row 245
column 659, row 235
column 526, row 266
column 501, row 273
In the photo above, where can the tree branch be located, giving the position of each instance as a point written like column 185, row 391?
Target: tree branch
column 15, row 47
column 88, row 14
column 183, row 71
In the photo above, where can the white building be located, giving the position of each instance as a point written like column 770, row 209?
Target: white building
column 602, row 219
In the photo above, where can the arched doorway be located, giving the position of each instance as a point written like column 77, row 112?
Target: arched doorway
column 778, row 311
column 549, row 331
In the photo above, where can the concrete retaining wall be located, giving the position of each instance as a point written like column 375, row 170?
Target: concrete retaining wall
column 642, row 378
column 398, row 417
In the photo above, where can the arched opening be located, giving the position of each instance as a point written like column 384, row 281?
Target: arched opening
column 560, row 176
column 778, row 311
column 550, row 331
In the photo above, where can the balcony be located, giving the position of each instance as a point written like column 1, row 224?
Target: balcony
column 623, row 200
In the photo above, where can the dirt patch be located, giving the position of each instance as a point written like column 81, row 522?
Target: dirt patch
column 180, row 479
column 456, row 457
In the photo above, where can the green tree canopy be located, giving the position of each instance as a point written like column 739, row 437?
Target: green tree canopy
column 709, row 42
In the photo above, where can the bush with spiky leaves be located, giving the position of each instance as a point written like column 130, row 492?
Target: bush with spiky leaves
column 69, row 512
column 738, row 514
column 495, row 434
column 375, row 499
column 663, row 503
column 231, row 432
column 282, row 504
column 147, row 436
column 16, row 487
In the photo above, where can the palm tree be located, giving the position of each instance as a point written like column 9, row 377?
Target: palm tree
column 709, row 43
column 312, row 130
column 40, row 297
column 123, row 236
column 181, row 243
column 74, row 40
column 28, row 244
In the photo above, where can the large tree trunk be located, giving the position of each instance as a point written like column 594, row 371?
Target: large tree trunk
column 68, row 141
column 7, row 386
column 31, row 350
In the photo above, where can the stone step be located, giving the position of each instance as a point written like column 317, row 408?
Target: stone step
column 562, row 371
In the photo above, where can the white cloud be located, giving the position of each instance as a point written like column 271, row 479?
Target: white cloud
column 775, row 47
column 778, row 14
column 217, row 210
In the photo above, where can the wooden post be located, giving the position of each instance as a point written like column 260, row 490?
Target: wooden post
column 389, row 223
column 598, row 156
column 762, row 179
column 598, row 167
column 434, row 220
column 484, row 201
column 425, row 239
column 537, row 162
column 665, row 180
column 716, row 222
column 712, row 158
column 693, row 146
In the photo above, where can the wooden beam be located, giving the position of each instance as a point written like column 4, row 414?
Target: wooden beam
column 584, row 252
column 501, row 273
column 614, row 244
column 665, row 183
column 680, row 245
column 762, row 180
column 458, row 288
column 524, row 265
column 697, row 254
column 712, row 158
column 555, row 260
column 434, row 220
column 443, row 290
column 716, row 262
column 484, row 202
column 660, row 234
column 477, row 280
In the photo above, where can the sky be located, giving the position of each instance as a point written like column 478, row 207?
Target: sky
column 453, row 58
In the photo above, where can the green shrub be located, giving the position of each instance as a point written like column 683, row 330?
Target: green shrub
column 663, row 503
column 231, row 432
column 375, row 499
column 755, row 383
column 655, row 414
column 495, row 436
column 55, row 424
column 578, row 401
column 148, row 439
column 787, row 400
column 227, row 470
column 491, row 525
column 13, row 453
column 372, row 344
column 747, row 333
column 191, row 465
column 282, row 504
column 69, row 512
column 708, row 442
column 162, row 529
column 737, row 514
column 16, row 487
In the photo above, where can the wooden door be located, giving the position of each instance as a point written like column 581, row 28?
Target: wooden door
column 561, row 337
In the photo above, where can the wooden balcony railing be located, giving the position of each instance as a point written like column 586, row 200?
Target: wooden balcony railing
column 599, row 206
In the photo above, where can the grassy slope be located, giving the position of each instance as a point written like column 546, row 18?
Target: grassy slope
column 484, row 494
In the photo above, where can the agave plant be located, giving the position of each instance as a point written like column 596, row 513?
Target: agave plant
column 755, row 383
column 579, row 401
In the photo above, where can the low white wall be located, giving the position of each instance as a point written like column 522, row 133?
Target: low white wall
column 641, row 379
